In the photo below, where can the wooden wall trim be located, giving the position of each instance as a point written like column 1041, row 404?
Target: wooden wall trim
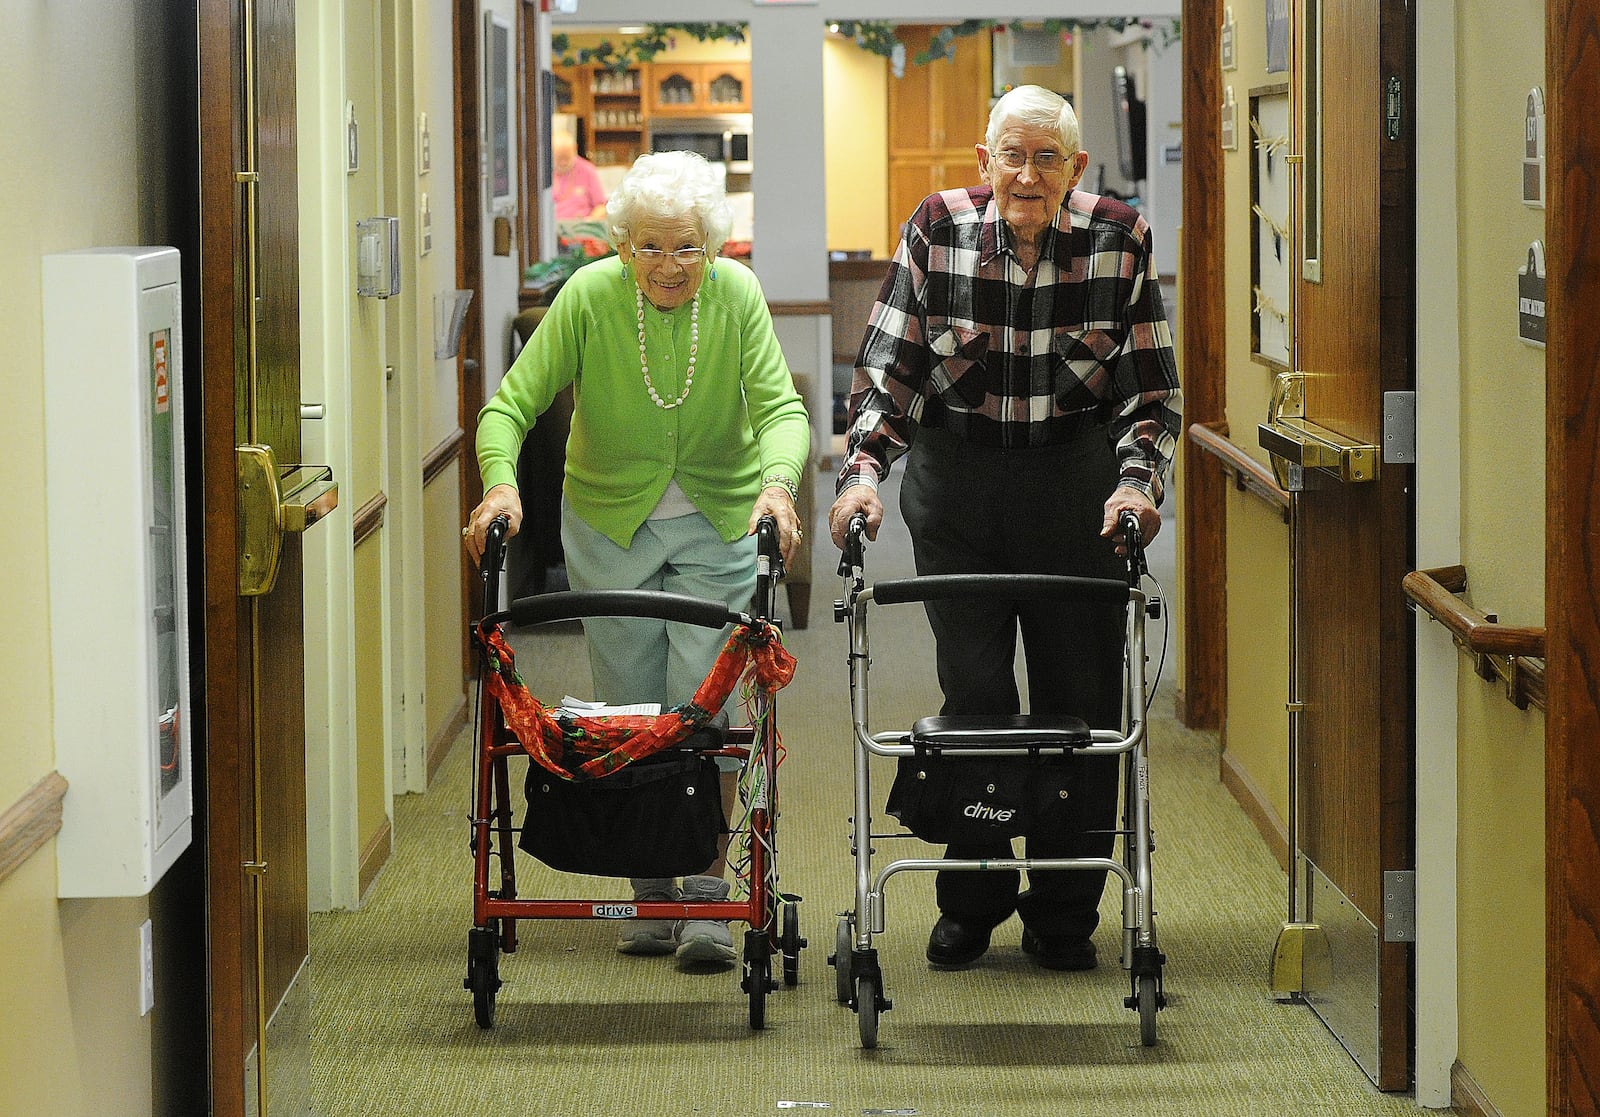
column 446, row 736
column 375, row 856
column 368, row 519
column 1572, row 553
column 28, row 824
column 858, row 269
column 799, row 309
column 1256, row 806
column 1466, row 1096
column 442, row 456
column 1203, row 361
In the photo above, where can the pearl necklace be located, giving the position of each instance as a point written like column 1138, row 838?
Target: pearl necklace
column 694, row 351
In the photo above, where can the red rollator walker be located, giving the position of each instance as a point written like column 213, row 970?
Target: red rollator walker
column 631, row 795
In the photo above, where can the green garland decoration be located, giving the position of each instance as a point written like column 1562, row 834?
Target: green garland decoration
column 874, row 36
column 656, row 38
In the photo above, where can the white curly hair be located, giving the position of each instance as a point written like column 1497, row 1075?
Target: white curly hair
column 668, row 185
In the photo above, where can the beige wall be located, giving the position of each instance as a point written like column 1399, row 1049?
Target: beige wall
column 85, row 166
column 441, row 502
column 1500, row 844
column 856, row 146
column 1256, row 729
column 372, row 753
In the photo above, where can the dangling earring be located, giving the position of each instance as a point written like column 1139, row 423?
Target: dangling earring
column 624, row 269
column 713, row 269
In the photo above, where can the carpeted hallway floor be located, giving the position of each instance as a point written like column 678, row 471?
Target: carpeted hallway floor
column 581, row 1029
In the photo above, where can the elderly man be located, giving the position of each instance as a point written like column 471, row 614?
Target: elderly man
column 579, row 196
column 1019, row 356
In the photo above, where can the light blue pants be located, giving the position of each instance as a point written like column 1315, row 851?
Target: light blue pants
column 644, row 660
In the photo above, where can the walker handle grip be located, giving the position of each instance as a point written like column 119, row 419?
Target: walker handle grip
column 545, row 608
column 1133, row 540
column 494, row 558
column 853, row 555
column 1014, row 587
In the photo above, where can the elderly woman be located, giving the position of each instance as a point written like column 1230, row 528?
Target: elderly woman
column 686, row 430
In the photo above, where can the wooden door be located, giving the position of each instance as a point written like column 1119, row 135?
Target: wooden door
column 1352, row 536
column 937, row 113
column 254, row 708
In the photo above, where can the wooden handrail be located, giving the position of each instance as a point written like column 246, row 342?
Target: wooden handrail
column 30, row 822
column 1438, row 592
column 1506, row 652
column 1249, row 475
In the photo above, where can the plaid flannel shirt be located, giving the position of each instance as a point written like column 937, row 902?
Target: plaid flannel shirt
column 963, row 339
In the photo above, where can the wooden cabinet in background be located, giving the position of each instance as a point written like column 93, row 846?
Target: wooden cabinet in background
column 937, row 112
column 699, row 88
column 610, row 105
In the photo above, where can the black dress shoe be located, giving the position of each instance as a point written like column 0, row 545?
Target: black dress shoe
column 952, row 946
column 1058, row 953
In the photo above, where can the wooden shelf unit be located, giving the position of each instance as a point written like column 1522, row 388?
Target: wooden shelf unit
column 611, row 109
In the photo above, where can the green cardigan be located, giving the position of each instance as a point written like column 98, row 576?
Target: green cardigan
column 742, row 423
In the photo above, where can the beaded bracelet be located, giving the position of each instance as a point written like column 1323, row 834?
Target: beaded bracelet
column 782, row 482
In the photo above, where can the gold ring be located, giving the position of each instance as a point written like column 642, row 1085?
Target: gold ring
column 466, row 531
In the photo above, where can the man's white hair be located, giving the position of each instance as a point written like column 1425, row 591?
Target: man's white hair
column 1037, row 107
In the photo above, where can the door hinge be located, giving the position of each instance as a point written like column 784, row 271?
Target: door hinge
column 1400, row 905
column 1400, row 427
column 1393, row 106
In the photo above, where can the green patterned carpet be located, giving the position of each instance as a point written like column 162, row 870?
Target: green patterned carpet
column 581, row 1029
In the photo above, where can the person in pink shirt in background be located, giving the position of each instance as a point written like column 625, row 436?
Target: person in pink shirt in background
column 578, row 193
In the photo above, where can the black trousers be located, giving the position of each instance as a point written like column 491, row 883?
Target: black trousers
column 1031, row 511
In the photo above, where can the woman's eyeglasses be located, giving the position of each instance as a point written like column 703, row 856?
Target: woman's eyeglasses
column 684, row 256
column 1045, row 162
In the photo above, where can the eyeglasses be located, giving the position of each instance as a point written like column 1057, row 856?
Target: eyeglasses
column 1045, row 162
column 684, row 256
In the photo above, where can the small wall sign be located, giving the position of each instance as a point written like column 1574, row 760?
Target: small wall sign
column 352, row 139
column 1229, row 61
column 1530, row 297
column 1230, row 121
column 1533, row 150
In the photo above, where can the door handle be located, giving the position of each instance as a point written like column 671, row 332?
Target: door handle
column 1297, row 444
column 274, row 501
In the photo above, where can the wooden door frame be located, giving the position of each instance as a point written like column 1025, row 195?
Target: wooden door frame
column 469, row 277
column 225, row 712
column 1572, row 495
column 1572, row 729
column 1202, row 690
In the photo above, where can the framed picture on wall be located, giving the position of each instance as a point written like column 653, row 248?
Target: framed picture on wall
column 1277, row 36
column 1271, row 254
column 497, row 70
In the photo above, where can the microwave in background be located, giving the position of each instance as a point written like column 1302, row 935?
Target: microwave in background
column 720, row 139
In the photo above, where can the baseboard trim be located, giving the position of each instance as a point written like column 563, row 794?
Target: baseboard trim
column 440, row 743
column 376, row 855
column 1256, row 805
column 1466, row 1096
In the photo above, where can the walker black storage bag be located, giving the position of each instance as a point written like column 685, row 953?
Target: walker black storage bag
column 954, row 800
column 657, row 817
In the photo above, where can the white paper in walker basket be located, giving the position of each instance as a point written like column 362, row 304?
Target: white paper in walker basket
column 579, row 708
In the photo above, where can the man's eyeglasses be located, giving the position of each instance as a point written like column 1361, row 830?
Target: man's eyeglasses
column 1045, row 162
column 684, row 256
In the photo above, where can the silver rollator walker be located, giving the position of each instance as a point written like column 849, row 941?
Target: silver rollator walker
column 858, row 979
